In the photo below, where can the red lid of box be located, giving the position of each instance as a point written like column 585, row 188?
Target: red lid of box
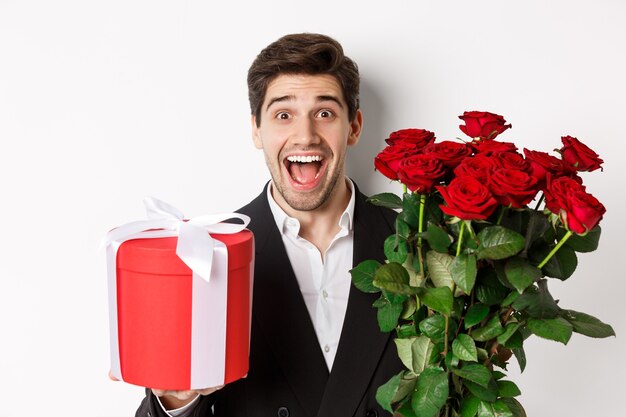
column 158, row 255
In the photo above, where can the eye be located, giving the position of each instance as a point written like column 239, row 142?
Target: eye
column 324, row 114
column 283, row 115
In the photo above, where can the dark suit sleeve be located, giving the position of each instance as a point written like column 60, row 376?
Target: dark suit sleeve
column 150, row 406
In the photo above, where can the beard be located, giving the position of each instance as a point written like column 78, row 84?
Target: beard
column 307, row 201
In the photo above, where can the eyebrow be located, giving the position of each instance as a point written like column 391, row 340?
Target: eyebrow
column 319, row 99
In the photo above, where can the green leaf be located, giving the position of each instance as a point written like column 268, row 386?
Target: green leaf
column 509, row 330
column 495, row 409
column 463, row 270
column 411, row 209
column 497, row 242
column 393, row 277
column 537, row 302
column 515, row 341
column 396, row 249
column 363, row 276
column 421, row 350
column 402, row 228
column 403, row 347
column 406, row 331
column 535, row 228
column 431, row 392
column 508, row 389
column 433, row 326
column 475, row 314
column 469, row 407
column 557, row 329
column 486, row 394
column 520, row 355
column 388, row 313
column 465, row 348
column 476, row 373
column 562, row 265
column 513, row 295
column 492, row 329
column 438, row 239
column 488, row 289
column 439, row 268
column 438, row 299
column 520, row 273
column 386, row 392
column 587, row 325
column 515, row 407
column 586, row 243
column 389, row 200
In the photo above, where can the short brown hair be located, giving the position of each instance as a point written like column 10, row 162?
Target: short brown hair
column 303, row 53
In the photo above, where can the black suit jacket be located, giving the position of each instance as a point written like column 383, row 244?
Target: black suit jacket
column 288, row 375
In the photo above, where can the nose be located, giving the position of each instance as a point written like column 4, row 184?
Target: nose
column 305, row 132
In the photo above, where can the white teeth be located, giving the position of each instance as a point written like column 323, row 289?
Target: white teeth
column 304, row 159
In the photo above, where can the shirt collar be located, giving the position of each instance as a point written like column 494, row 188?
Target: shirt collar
column 291, row 225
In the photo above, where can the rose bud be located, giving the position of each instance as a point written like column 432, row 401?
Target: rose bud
column 479, row 166
column 483, row 125
column 418, row 138
column 578, row 210
column 579, row 155
column 542, row 163
column 490, row 147
column 388, row 160
column 449, row 153
column 468, row 199
column 420, row 173
column 512, row 187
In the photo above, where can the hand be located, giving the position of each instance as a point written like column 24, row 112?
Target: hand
column 173, row 399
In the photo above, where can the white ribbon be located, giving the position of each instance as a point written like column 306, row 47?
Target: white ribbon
column 195, row 248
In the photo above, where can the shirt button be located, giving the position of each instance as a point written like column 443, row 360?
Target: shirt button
column 326, row 348
column 325, row 294
column 371, row 413
column 283, row 412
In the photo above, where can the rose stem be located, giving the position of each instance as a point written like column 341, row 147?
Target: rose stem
column 556, row 248
column 458, row 252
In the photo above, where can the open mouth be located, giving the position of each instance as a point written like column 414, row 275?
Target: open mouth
column 305, row 170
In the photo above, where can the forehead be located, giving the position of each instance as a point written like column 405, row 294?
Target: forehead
column 303, row 87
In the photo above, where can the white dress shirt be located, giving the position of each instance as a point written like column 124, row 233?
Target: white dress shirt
column 324, row 279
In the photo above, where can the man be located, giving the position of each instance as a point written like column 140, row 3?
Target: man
column 316, row 349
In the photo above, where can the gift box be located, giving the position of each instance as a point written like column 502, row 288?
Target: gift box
column 180, row 299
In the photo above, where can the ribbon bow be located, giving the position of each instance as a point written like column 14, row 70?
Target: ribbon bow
column 195, row 246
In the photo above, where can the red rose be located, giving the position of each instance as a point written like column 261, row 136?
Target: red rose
column 388, row 160
column 489, row 147
column 511, row 160
column 479, row 166
column 484, row 125
column 421, row 172
column 579, row 211
column 418, row 138
column 542, row 163
column 468, row 199
column 449, row 153
column 579, row 155
column 512, row 187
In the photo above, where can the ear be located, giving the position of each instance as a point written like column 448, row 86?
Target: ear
column 356, row 127
column 256, row 134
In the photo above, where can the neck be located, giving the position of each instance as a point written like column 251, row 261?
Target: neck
column 320, row 226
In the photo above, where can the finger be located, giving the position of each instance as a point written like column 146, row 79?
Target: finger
column 208, row 391
column 111, row 377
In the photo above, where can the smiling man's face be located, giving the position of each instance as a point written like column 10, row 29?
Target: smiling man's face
column 304, row 134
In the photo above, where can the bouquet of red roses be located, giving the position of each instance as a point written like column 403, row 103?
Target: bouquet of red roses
column 465, row 282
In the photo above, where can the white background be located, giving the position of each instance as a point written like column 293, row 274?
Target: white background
column 103, row 103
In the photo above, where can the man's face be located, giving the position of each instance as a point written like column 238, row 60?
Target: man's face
column 304, row 135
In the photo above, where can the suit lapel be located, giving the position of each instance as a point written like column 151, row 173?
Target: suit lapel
column 362, row 343
column 280, row 311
